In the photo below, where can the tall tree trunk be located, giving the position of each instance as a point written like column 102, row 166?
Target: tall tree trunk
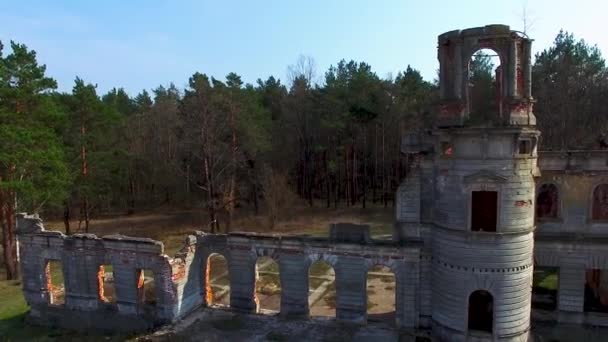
column 327, row 186
column 384, row 199
column 66, row 217
column 131, row 204
column 9, row 236
column 211, row 206
column 346, row 176
column 363, row 185
column 254, row 187
column 232, row 184
column 355, row 191
column 84, row 211
column 375, row 176
column 337, row 180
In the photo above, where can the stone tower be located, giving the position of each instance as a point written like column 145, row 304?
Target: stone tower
column 470, row 195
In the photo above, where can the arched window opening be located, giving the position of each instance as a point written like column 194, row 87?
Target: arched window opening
column 217, row 281
column 381, row 290
column 547, row 201
column 267, row 285
column 322, row 289
column 481, row 311
column 484, row 86
column 600, row 203
column 596, row 291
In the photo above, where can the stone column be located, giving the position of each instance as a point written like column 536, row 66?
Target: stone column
column 293, row 270
column 81, row 261
column 571, row 288
column 527, row 62
column 242, row 280
column 407, row 305
column 166, row 293
column 510, row 71
column 351, row 289
column 125, row 284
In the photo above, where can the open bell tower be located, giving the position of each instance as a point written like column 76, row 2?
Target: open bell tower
column 513, row 78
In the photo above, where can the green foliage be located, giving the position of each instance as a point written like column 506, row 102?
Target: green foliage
column 482, row 83
column 31, row 158
column 570, row 81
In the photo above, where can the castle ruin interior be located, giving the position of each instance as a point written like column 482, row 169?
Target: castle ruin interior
column 480, row 214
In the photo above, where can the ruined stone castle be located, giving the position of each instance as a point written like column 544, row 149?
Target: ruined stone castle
column 480, row 210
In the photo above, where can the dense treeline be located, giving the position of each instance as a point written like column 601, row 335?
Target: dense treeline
column 221, row 144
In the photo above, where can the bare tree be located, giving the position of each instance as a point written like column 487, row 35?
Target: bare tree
column 305, row 67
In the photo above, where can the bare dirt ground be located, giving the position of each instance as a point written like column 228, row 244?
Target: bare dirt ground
column 221, row 325
column 171, row 226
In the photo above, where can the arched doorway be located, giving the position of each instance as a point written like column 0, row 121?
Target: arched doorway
column 484, row 86
column 381, row 290
column 217, row 280
column 267, row 285
column 481, row 311
column 322, row 289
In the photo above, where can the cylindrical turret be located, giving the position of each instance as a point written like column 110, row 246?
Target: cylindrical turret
column 482, row 234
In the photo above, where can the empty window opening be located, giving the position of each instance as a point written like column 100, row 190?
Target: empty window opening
column 484, row 89
column 544, row 288
column 547, row 201
column 484, row 206
column 217, row 281
column 55, row 282
column 322, row 289
column 524, row 147
column 600, row 203
column 447, row 149
column 596, row 291
column 106, row 283
column 381, row 292
column 146, row 287
column 481, row 311
column 267, row 285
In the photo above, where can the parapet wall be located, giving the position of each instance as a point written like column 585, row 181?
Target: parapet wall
column 180, row 282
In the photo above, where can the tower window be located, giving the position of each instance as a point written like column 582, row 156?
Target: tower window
column 524, row 147
column 484, row 205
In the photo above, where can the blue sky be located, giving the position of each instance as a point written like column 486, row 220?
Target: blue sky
column 142, row 44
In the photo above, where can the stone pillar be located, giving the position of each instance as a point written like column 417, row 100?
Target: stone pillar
column 571, row 288
column 293, row 270
column 527, row 62
column 407, row 306
column 125, row 284
column 457, row 69
column 165, row 290
column 407, row 208
column 351, row 289
column 510, row 71
column 81, row 261
column 33, row 274
column 242, row 280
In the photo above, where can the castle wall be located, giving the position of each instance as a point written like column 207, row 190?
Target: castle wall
column 181, row 282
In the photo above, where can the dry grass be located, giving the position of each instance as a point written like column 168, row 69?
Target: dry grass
column 172, row 227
